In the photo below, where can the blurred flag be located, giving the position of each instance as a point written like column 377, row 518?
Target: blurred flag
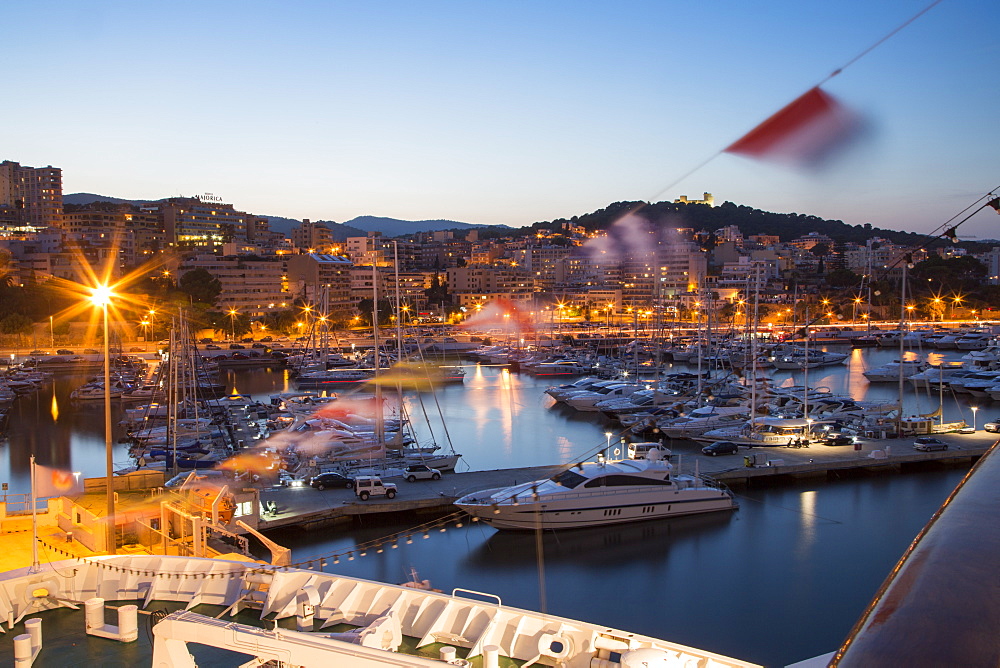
column 806, row 132
column 51, row 482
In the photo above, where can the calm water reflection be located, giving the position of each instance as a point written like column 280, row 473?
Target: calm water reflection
column 782, row 579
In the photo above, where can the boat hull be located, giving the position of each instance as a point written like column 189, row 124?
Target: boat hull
column 572, row 514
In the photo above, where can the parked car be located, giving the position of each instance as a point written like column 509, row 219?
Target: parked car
column 837, row 439
column 38, row 352
column 721, row 448
column 928, row 444
column 278, row 355
column 86, row 351
column 331, row 479
column 205, row 340
column 248, row 339
column 421, row 472
column 992, row 426
column 64, row 351
column 267, row 339
column 367, row 486
column 137, row 349
column 236, row 346
column 239, row 356
column 258, row 345
column 212, row 346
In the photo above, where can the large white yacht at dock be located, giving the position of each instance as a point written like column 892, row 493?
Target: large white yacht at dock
column 597, row 494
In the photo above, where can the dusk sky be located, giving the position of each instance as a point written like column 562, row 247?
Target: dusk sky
column 501, row 112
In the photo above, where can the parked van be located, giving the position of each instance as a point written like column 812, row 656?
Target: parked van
column 642, row 450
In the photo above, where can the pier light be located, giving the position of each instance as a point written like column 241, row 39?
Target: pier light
column 974, row 409
column 100, row 297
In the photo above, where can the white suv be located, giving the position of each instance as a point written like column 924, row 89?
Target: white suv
column 421, row 472
column 366, row 486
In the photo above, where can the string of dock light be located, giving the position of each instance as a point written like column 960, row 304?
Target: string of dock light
column 377, row 545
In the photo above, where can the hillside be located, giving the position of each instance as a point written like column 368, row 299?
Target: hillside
column 749, row 220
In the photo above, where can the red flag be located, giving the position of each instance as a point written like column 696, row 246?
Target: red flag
column 807, row 131
column 51, row 482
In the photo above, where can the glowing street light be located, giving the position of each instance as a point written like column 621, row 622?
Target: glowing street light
column 974, row 409
column 152, row 323
column 232, row 321
column 101, row 297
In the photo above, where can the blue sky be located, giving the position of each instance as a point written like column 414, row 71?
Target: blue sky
column 500, row 112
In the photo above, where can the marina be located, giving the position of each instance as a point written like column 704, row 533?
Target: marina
column 336, row 518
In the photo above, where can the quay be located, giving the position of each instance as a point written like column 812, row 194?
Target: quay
column 308, row 508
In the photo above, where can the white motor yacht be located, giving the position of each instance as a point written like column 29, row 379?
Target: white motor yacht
column 587, row 401
column 704, row 419
column 596, row 494
column 561, row 392
column 888, row 373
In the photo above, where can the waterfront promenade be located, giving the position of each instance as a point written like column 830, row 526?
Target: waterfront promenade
column 305, row 507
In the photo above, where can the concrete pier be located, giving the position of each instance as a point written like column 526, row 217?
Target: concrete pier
column 307, row 507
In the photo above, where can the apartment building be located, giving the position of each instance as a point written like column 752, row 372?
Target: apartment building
column 312, row 237
column 30, row 196
column 254, row 286
column 204, row 222
column 324, row 280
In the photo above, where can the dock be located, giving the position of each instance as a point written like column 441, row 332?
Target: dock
column 306, row 507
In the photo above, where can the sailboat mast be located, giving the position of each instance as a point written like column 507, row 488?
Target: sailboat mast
column 399, row 313
column 902, row 337
column 379, row 416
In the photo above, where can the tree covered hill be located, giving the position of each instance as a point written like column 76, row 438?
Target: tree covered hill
column 748, row 219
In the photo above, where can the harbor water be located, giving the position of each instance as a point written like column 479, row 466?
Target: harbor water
column 780, row 580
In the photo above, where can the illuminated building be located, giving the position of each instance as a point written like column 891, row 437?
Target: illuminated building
column 30, row 195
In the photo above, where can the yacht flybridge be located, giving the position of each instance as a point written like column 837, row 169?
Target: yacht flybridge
column 373, row 624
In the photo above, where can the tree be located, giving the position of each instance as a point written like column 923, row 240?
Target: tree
column 820, row 250
column 384, row 311
column 842, row 278
column 16, row 324
column 200, row 285
column 437, row 293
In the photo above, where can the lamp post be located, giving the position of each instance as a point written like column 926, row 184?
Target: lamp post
column 607, row 434
column 102, row 297
column 52, row 334
column 232, row 321
column 152, row 323
column 974, row 409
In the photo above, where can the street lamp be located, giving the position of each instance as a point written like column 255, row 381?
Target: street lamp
column 101, row 297
column 607, row 434
column 152, row 323
column 232, row 321
column 974, row 409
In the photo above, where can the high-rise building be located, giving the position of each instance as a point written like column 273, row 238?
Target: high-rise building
column 204, row 222
column 30, row 195
column 312, row 237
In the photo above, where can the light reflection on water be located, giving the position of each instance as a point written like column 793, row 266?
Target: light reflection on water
column 780, row 580
column 496, row 419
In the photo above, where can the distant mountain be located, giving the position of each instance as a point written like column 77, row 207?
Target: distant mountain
column 340, row 232
column 393, row 227
column 358, row 227
column 87, row 198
